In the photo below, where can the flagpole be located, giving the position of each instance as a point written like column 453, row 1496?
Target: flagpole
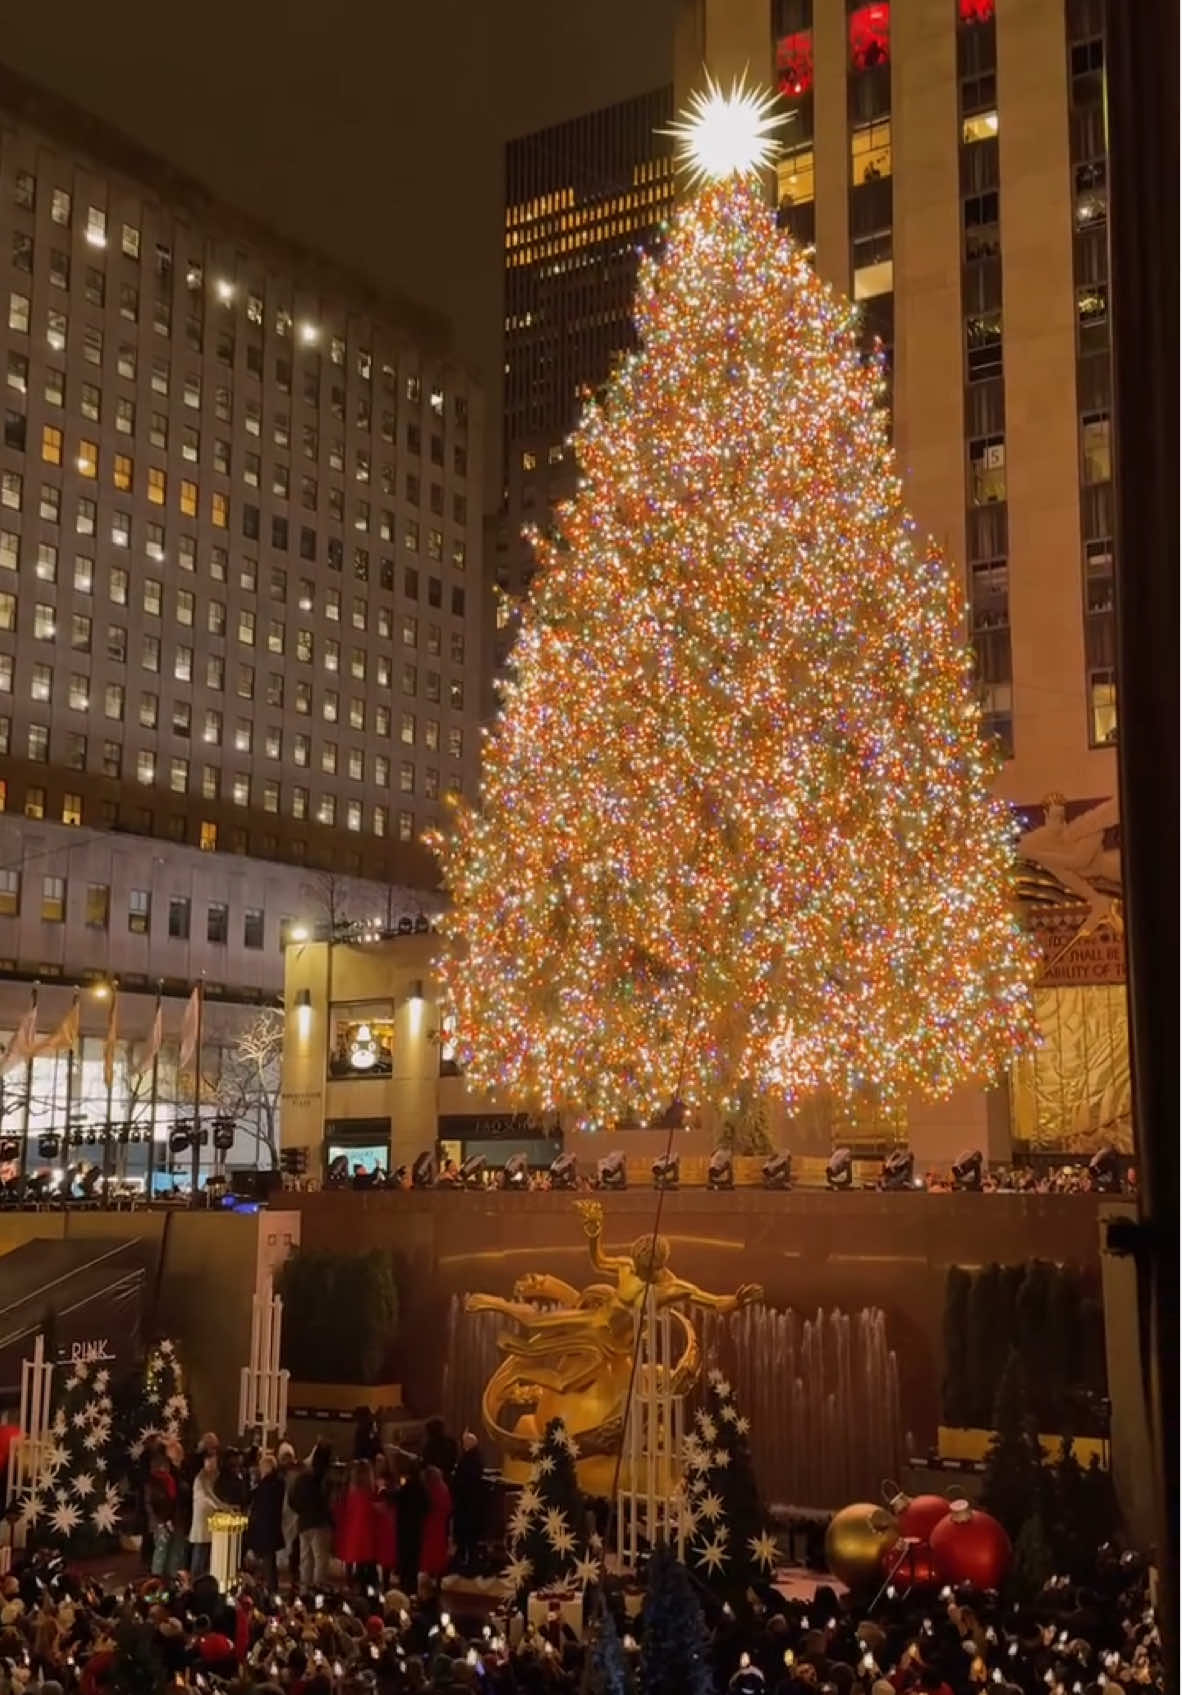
column 155, row 1083
column 66, row 1184
column 109, row 1068
column 24, row 1165
column 196, row 1169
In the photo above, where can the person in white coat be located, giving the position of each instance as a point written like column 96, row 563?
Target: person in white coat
column 205, row 1501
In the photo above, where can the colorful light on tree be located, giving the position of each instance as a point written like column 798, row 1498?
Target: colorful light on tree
column 735, row 834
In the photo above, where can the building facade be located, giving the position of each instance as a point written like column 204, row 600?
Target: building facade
column 123, row 925
column 240, row 534
column 946, row 159
column 582, row 200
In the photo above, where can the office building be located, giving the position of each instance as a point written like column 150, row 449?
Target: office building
column 239, row 522
column 946, row 159
column 240, row 591
column 582, row 199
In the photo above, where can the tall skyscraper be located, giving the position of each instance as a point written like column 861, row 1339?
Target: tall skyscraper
column 947, row 159
column 581, row 201
column 240, row 589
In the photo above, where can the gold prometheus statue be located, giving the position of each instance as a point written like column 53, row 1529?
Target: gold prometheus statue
column 568, row 1352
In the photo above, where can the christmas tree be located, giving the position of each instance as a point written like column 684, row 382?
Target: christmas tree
column 73, row 1502
column 729, row 1544
column 735, row 833
column 675, row 1658
column 1011, row 1488
column 605, row 1671
column 547, row 1546
column 160, row 1408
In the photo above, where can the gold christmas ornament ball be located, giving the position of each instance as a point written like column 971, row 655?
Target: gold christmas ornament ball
column 856, row 1539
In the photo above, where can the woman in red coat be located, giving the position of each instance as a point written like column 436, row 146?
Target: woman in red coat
column 385, row 1523
column 355, row 1540
column 434, row 1557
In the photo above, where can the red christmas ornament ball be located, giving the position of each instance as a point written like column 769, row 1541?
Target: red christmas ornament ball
column 918, row 1515
column 909, row 1564
column 970, row 1546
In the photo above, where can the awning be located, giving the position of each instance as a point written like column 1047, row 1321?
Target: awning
column 86, row 1297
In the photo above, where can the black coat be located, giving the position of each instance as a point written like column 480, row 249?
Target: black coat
column 264, row 1528
column 468, row 1490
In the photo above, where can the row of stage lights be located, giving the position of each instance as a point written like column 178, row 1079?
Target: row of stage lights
column 121, row 1132
column 897, row 1172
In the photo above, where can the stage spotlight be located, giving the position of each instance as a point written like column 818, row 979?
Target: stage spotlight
column 9, row 1150
column 517, row 1172
column 422, row 924
column 178, row 1140
column 898, row 1170
column 966, row 1173
column 337, row 1174
column 223, row 1134
column 92, row 1137
column 470, row 1174
column 406, row 927
column 422, row 1174
column 564, row 1172
column 1104, row 1170
column 49, row 1145
column 777, row 1171
column 611, row 1172
column 720, row 1173
column 91, row 1183
column 37, row 1186
column 839, row 1171
column 667, row 1172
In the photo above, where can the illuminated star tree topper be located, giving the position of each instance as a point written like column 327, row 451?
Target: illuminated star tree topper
column 735, row 837
column 723, row 135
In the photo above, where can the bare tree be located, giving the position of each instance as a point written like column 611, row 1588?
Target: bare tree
column 247, row 1086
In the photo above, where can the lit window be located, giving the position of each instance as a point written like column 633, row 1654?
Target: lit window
column 157, row 485
column 987, row 470
column 188, row 498
column 209, row 837
column 96, row 226
column 53, row 898
column 980, row 126
column 326, row 809
column 51, row 444
column 1091, row 312
column 87, row 459
column 870, row 151
column 1096, row 441
column 79, row 692
column 41, row 687
column 1102, row 700
column 35, row 808
column 220, row 510
column 529, row 461
column 124, row 472
column 870, row 36
column 873, row 265
column 794, row 63
column 131, row 241
column 18, row 313
column 44, row 622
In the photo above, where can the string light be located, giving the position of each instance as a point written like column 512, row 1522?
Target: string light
column 735, row 823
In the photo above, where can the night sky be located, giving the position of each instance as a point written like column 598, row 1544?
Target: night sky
column 372, row 130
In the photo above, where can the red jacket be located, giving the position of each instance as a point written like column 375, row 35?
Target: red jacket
column 433, row 1559
column 356, row 1537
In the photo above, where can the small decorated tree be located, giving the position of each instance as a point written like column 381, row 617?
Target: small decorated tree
column 1011, row 1487
column 729, row 1543
column 675, row 1658
column 605, row 1671
column 547, row 1546
column 160, row 1410
column 73, row 1504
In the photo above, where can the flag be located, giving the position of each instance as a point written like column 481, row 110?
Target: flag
column 109, row 1041
column 62, row 1040
column 190, row 1025
column 155, row 1042
column 24, row 1040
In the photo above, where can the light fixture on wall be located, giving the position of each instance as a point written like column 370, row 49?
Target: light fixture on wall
column 416, row 989
column 303, row 1012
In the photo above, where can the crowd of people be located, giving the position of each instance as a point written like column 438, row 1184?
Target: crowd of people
column 385, row 1516
column 61, row 1633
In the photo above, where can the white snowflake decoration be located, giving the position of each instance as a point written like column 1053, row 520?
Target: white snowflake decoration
column 763, row 1549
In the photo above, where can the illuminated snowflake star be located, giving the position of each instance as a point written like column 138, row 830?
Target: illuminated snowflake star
column 726, row 134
